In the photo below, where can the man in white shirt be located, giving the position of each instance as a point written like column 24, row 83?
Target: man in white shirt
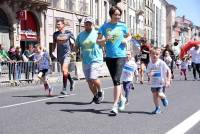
column 195, row 54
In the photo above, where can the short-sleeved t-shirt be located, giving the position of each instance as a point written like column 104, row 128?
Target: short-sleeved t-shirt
column 128, row 70
column 114, row 47
column 157, row 72
column 43, row 60
column 63, row 48
column 90, row 50
column 195, row 55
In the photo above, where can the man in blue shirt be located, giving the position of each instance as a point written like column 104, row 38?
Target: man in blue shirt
column 92, row 58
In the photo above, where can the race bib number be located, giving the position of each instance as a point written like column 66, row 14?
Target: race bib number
column 144, row 56
column 156, row 80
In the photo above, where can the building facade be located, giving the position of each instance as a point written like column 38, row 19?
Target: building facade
column 148, row 20
column 170, row 23
column 22, row 22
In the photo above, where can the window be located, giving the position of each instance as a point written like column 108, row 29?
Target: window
column 130, row 24
column 51, row 2
column 96, row 13
column 106, row 11
column 56, row 3
column 70, row 5
column 83, row 7
column 125, row 16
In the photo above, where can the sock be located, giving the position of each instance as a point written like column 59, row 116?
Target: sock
column 65, row 81
column 70, row 78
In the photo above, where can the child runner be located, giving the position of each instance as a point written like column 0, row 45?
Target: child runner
column 127, row 74
column 43, row 59
column 160, row 76
column 184, row 66
column 178, row 63
column 168, row 60
column 189, row 63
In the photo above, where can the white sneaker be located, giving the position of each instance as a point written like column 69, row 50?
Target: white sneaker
column 122, row 104
column 194, row 79
column 114, row 110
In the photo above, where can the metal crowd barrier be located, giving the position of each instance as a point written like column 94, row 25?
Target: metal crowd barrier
column 16, row 73
column 19, row 73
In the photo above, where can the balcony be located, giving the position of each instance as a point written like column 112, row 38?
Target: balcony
column 29, row 4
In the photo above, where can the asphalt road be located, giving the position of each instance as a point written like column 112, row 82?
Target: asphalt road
column 27, row 110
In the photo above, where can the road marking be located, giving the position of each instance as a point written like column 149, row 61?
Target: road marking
column 184, row 126
column 28, row 102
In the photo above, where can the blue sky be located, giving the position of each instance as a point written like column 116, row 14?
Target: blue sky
column 189, row 8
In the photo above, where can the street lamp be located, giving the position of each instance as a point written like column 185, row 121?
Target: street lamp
column 79, row 24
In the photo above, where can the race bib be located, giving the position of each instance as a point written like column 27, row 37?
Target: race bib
column 144, row 56
column 156, row 80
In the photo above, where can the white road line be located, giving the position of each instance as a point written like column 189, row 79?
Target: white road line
column 184, row 126
column 28, row 102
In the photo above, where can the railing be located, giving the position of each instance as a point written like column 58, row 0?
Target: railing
column 20, row 73
column 16, row 73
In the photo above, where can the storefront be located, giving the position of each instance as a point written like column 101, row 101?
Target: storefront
column 29, row 29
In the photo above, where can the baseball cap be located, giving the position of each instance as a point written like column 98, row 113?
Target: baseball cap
column 89, row 19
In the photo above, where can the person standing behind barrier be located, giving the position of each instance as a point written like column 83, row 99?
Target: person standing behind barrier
column 116, row 35
column 43, row 60
column 160, row 77
column 63, row 39
column 195, row 54
column 19, row 64
column 28, row 58
column 128, row 71
column 92, row 58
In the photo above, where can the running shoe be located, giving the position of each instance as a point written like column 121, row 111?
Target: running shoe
column 100, row 96
column 95, row 100
column 114, row 111
column 156, row 111
column 64, row 92
column 122, row 104
column 165, row 102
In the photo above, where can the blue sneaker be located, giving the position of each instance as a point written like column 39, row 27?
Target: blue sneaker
column 122, row 103
column 156, row 111
column 165, row 102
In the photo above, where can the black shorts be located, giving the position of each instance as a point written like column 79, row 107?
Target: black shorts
column 43, row 71
column 156, row 89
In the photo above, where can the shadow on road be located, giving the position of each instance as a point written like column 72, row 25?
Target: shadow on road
column 73, row 103
column 34, row 96
column 137, row 112
column 86, row 110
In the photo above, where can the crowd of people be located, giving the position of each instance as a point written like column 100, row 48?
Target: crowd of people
column 112, row 37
